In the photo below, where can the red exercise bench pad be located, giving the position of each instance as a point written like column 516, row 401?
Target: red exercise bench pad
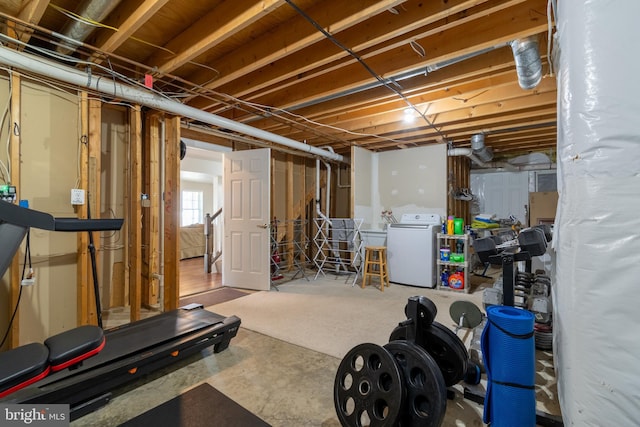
column 22, row 366
column 73, row 346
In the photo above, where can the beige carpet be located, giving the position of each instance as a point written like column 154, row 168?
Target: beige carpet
column 330, row 316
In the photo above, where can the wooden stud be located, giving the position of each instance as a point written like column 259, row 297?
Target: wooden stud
column 135, row 212
column 302, row 204
column 151, row 294
column 94, row 193
column 171, row 213
column 290, row 213
column 14, row 141
column 82, row 259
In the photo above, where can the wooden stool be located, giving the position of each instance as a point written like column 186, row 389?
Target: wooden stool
column 375, row 264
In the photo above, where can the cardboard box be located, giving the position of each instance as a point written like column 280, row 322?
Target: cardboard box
column 542, row 207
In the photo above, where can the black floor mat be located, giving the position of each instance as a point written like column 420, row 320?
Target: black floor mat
column 215, row 296
column 202, row 406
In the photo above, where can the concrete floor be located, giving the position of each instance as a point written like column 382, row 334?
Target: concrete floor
column 284, row 384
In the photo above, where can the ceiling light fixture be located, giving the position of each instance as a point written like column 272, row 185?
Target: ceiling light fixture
column 409, row 116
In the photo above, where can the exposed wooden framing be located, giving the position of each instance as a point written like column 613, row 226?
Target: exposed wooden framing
column 459, row 78
column 134, row 19
column 135, row 212
column 14, row 141
column 267, row 66
column 210, row 30
column 473, row 35
column 304, row 64
column 302, row 203
column 171, row 213
column 459, row 176
column 151, row 270
column 94, row 193
column 289, row 200
column 204, row 136
column 296, row 35
column 31, row 12
column 83, row 272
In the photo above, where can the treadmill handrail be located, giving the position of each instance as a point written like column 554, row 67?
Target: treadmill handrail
column 25, row 217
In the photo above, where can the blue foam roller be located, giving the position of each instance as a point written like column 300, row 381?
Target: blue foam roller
column 508, row 350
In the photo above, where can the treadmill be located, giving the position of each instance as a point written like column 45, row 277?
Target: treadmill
column 130, row 350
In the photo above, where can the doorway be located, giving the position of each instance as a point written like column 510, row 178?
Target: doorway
column 201, row 194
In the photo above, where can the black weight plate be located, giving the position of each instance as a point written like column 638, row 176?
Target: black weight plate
column 399, row 333
column 368, row 388
column 425, row 403
column 427, row 310
column 448, row 351
column 468, row 311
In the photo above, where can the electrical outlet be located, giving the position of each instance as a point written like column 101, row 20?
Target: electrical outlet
column 77, row 196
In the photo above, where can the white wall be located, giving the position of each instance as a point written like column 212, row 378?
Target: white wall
column 207, row 194
column 364, row 181
column 413, row 180
column 201, row 170
column 502, row 193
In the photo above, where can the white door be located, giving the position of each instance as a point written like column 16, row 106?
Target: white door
column 246, row 213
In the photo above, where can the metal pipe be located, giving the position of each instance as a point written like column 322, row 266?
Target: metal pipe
column 113, row 89
column 76, row 30
column 528, row 62
column 480, row 149
column 318, row 209
column 468, row 152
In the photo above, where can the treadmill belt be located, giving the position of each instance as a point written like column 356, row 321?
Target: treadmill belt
column 152, row 332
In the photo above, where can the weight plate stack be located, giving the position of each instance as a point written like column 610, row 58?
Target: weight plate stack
column 425, row 403
column 368, row 388
column 543, row 336
column 449, row 352
column 398, row 333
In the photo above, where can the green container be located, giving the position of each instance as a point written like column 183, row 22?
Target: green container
column 458, row 226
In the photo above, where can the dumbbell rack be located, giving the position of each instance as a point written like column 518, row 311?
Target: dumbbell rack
column 447, row 241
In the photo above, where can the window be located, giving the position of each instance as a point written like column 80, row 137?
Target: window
column 191, row 208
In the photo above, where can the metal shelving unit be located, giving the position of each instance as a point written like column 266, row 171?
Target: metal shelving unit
column 450, row 241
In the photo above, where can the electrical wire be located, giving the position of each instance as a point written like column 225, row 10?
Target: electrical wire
column 325, row 125
column 265, row 110
column 98, row 24
column 208, row 93
column 365, row 65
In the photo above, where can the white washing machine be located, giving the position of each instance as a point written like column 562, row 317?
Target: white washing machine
column 411, row 250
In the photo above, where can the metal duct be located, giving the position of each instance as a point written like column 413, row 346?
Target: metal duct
column 480, row 150
column 81, row 79
column 528, row 62
column 94, row 10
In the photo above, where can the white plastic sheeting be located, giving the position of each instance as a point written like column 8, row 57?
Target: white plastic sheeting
column 597, row 232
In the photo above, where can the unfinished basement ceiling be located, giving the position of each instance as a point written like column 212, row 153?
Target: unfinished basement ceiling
column 330, row 73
